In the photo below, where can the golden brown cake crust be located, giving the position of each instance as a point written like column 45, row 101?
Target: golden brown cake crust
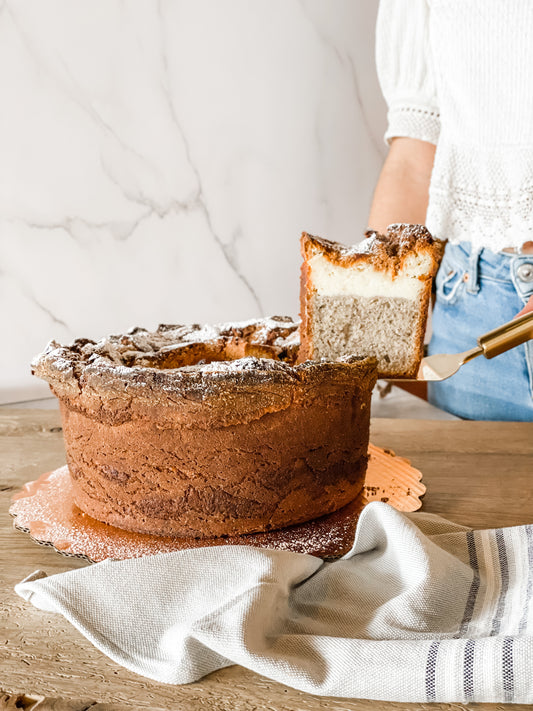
column 171, row 366
column 383, row 252
column 211, row 448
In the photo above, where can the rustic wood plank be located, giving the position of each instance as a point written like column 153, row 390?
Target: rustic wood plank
column 479, row 474
column 454, row 436
column 42, row 703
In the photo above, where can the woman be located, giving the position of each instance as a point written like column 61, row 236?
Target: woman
column 458, row 79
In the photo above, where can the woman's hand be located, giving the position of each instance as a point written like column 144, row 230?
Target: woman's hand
column 527, row 308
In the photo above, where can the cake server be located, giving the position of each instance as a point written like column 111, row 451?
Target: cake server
column 443, row 365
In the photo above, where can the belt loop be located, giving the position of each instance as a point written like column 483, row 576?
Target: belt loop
column 472, row 285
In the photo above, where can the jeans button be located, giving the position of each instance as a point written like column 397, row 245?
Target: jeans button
column 525, row 272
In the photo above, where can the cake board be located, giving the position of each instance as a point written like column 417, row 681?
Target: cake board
column 45, row 509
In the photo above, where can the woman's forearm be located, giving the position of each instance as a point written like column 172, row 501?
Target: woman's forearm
column 402, row 190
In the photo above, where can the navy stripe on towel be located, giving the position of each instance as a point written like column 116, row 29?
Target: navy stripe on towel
column 474, row 587
column 431, row 666
column 468, row 670
column 504, row 575
column 507, row 669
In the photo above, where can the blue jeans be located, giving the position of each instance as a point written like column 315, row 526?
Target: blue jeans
column 477, row 291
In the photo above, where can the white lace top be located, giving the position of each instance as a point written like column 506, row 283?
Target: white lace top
column 459, row 73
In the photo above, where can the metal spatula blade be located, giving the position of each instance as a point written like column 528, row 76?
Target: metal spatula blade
column 501, row 339
column 443, row 365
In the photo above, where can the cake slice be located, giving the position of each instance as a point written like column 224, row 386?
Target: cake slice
column 369, row 299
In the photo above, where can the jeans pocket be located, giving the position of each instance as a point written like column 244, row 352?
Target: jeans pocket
column 450, row 284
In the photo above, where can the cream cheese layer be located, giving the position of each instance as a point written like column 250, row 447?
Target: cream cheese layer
column 364, row 280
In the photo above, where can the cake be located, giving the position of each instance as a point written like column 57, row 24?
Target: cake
column 209, row 431
column 369, row 299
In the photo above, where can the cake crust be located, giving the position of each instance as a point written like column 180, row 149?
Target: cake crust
column 171, row 366
column 385, row 252
column 180, row 432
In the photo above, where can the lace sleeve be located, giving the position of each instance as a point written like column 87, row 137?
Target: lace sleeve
column 405, row 69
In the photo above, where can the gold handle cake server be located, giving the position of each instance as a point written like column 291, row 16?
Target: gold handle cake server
column 499, row 340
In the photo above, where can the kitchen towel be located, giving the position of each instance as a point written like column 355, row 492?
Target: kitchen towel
column 419, row 610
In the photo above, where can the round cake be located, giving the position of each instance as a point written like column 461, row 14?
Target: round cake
column 209, row 431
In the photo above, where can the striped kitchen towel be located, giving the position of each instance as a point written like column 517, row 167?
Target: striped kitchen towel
column 419, row 610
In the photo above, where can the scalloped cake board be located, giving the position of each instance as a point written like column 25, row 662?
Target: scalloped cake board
column 45, row 509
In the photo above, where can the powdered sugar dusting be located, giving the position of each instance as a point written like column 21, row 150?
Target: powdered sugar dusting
column 45, row 509
column 237, row 366
column 50, row 516
column 399, row 240
column 366, row 246
column 173, row 356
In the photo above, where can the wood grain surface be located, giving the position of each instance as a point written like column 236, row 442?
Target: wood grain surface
column 478, row 474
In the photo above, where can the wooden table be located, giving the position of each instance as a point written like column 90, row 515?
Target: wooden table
column 478, row 474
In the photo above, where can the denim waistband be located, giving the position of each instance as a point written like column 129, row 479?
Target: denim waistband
column 479, row 264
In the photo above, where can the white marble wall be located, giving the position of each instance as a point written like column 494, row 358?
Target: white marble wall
column 158, row 160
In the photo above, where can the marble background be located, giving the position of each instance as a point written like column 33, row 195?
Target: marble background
column 159, row 160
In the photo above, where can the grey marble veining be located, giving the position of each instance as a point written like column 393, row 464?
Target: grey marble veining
column 160, row 160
